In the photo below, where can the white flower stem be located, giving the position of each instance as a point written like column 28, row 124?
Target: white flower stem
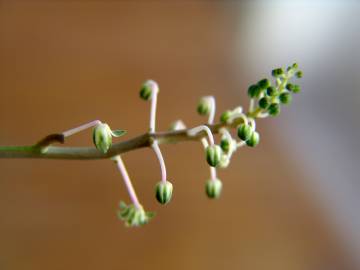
column 127, row 181
column 153, row 107
column 238, row 115
column 194, row 131
column 213, row 110
column 81, row 128
column 160, row 157
column 252, row 105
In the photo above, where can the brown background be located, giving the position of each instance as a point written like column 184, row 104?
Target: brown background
column 65, row 63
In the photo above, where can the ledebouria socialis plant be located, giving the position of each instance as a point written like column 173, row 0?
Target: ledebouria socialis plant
column 265, row 101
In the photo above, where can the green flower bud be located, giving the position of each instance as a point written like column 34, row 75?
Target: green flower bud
column 254, row 90
column 296, row 89
column 205, row 106
column 290, row 86
column 271, row 91
column 254, row 139
column 264, row 103
column 277, row 72
column 264, row 83
column 213, row 155
column 285, row 98
column 225, row 144
column 163, row 192
column 225, row 116
column 224, row 161
column 274, row 109
column 244, row 132
column 133, row 216
column 213, row 188
column 102, row 137
column 299, row 74
column 295, row 66
column 147, row 89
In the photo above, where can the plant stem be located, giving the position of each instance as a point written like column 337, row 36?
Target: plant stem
column 87, row 153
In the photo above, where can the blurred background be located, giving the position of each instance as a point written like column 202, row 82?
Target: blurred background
column 292, row 203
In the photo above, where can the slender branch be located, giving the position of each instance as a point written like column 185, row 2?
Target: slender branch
column 84, row 153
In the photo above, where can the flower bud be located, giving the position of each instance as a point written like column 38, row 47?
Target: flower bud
column 254, row 139
column 177, row 125
column 274, row 109
column 213, row 155
column 296, row 88
column 264, row 103
column 224, row 161
column 227, row 144
column 285, row 98
column 147, row 89
column 299, row 74
column 133, row 216
column 205, row 106
column 271, row 91
column 244, row 132
column 277, row 72
column 225, row 116
column 163, row 192
column 254, row 90
column 213, row 188
column 102, row 137
column 290, row 86
column 264, row 83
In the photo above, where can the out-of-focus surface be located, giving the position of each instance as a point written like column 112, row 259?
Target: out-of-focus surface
column 291, row 203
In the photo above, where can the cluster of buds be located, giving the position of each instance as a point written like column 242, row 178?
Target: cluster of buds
column 265, row 100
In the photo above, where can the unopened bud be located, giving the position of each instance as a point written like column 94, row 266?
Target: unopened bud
column 244, row 132
column 254, row 139
column 205, row 106
column 147, row 89
column 213, row 188
column 285, row 98
column 274, row 109
column 102, row 137
column 213, row 155
column 225, row 116
column 163, row 192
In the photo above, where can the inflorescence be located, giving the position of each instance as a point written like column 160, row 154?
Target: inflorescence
column 266, row 100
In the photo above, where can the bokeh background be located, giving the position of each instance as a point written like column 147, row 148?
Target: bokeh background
column 292, row 203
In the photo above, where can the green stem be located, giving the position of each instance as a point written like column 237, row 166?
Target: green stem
column 87, row 153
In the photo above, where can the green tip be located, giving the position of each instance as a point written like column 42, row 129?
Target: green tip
column 295, row 66
column 274, row 109
column 289, row 86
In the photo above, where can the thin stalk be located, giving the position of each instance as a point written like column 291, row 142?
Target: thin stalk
column 121, row 166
